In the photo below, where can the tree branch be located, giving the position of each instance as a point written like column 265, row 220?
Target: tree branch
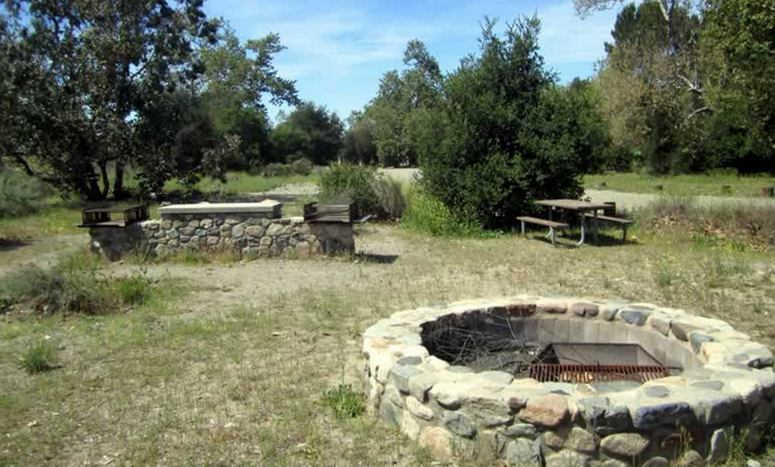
column 697, row 112
column 691, row 87
column 24, row 164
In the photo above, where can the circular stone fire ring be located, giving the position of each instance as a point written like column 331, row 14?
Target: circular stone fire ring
column 468, row 381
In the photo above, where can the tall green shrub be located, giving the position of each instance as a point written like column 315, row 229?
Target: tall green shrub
column 351, row 182
column 19, row 194
column 425, row 214
column 371, row 193
column 500, row 139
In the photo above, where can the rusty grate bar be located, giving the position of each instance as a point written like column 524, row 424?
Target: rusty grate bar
column 545, row 372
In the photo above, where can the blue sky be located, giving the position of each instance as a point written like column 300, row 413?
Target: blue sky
column 339, row 49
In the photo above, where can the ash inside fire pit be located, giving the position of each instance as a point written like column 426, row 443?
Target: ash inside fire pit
column 495, row 341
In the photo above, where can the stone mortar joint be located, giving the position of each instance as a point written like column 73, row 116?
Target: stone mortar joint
column 724, row 391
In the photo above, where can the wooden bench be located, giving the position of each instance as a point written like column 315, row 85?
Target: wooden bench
column 553, row 226
column 624, row 223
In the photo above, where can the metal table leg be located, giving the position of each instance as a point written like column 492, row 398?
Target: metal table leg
column 594, row 226
column 581, row 241
column 550, row 233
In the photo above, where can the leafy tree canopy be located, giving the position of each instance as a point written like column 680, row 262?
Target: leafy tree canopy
column 92, row 87
column 401, row 95
column 311, row 132
column 739, row 52
column 503, row 134
column 236, row 80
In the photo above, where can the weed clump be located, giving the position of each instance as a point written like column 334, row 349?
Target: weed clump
column 369, row 191
column 72, row 286
column 39, row 357
column 426, row 214
column 19, row 194
column 345, row 402
column 390, row 197
column 134, row 290
column 733, row 228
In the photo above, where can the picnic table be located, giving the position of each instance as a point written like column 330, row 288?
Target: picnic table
column 581, row 208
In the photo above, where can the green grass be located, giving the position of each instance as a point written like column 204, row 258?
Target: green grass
column 425, row 214
column 135, row 289
column 39, row 357
column 344, row 401
column 715, row 184
column 55, row 217
column 242, row 182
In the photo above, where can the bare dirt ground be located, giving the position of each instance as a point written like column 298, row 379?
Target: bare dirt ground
column 252, row 283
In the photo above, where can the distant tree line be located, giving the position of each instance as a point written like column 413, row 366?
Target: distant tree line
column 689, row 86
column 685, row 87
column 93, row 91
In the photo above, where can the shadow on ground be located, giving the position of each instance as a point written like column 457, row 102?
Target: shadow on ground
column 376, row 258
column 570, row 240
column 8, row 244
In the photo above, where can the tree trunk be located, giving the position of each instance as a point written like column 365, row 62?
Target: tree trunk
column 118, row 182
column 105, row 180
column 24, row 165
column 88, row 187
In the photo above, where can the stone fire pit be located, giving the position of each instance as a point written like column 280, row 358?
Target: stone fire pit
column 462, row 381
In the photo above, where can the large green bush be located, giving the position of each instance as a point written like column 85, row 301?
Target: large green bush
column 425, row 214
column 391, row 201
column 502, row 137
column 369, row 191
column 350, row 182
column 19, row 194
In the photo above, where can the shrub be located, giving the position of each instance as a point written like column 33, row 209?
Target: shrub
column 345, row 402
column 502, row 136
column 390, row 197
column 276, row 170
column 19, row 194
column 302, row 166
column 352, row 182
column 134, row 290
column 72, row 286
column 732, row 227
column 39, row 357
column 426, row 214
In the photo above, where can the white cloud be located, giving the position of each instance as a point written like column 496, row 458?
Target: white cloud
column 327, row 42
column 338, row 49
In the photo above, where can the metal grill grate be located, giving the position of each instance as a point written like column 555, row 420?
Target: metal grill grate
column 545, row 372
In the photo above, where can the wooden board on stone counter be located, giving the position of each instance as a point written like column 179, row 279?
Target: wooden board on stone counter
column 339, row 212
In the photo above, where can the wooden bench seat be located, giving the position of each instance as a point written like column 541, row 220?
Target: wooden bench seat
column 624, row 223
column 613, row 220
column 553, row 226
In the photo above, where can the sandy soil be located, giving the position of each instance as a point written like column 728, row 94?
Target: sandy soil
column 251, row 283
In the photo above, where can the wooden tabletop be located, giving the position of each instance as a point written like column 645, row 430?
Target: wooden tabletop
column 571, row 204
